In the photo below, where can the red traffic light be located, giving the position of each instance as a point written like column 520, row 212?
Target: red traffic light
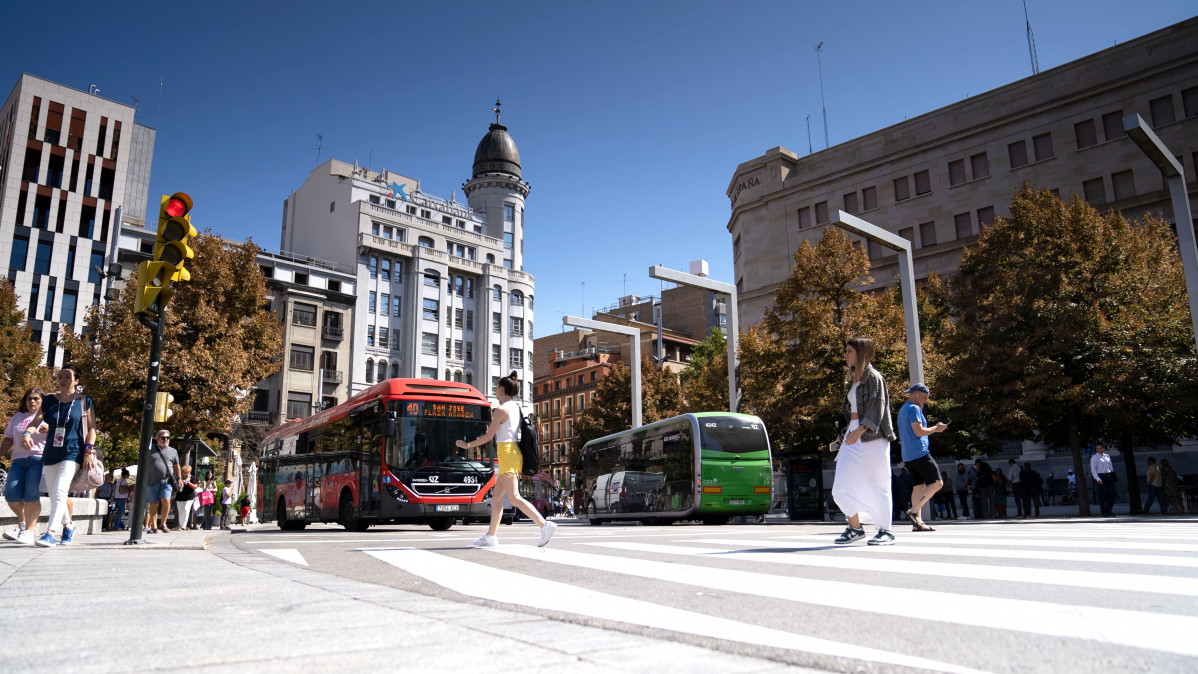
column 178, row 205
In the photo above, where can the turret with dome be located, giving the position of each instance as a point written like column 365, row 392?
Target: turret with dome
column 497, row 190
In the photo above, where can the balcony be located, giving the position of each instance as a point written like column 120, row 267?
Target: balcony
column 333, row 332
column 256, row 417
column 332, row 376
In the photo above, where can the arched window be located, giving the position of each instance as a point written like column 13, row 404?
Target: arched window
column 432, row 278
column 448, row 375
column 395, row 370
column 369, row 371
column 530, row 301
column 470, row 378
column 457, row 375
column 490, row 259
column 516, row 298
column 425, row 241
column 496, row 293
column 382, row 370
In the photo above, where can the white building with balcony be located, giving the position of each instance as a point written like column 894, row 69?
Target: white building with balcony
column 441, row 287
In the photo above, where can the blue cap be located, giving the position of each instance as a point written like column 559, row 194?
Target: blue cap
column 919, row 388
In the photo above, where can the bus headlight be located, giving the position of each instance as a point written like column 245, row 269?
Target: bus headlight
column 396, row 493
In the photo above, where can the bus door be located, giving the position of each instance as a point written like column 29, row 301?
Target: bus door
column 370, row 469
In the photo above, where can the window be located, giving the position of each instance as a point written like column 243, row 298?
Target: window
column 370, row 335
column 985, row 216
column 1086, row 133
column 304, row 314
column 517, row 326
column 1189, row 101
column 1161, row 110
column 923, row 182
column 395, row 307
column 1125, row 187
column 334, row 285
column 964, row 225
column 386, row 270
column 373, row 266
column 1094, row 191
column 93, row 275
column 876, row 250
column 424, row 241
column 821, row 213
column 516, row 359
column 374, row 199
column 908, row 233
column 927, row 234
column 850, row 203
column 302, row 357
column 41, row 263
column 496, row 354
column 332, row 206
column 509, row 212
column 384, row 338
column 509, row 240
column 457, row 349
column 69, row 299
column 372, row 302
column 431, row 309
column 956, row 172
column 299, row 404
column 516, row 298
column 432, row 279
column 1112, row 125
column 20, row 251
column 469, row 352
column 736, row 246
column 902, row 189
column 869, row 198
column 386, row 304
column 1017, row 152
column 496, row 323
column 301, row 278
column 496, row 293
column 428, row 343
column 804, row 217
column 1042, row 144
column 469, row 319
column 369, row 371
column 457, row 318
column 431, row 373
column 395, row 370
column 449, row 319
column 980, row 165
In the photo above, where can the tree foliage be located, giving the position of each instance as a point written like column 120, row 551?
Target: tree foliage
column 705, row 377
column 218, row 341
column 792, row 363
column 611, row 410
column 1071, row 326
column 20, row 357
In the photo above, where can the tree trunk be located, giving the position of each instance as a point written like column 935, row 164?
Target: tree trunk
column 1075, row 448
column 1133, row 480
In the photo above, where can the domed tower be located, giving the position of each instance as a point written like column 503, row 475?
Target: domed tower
column 497, row 191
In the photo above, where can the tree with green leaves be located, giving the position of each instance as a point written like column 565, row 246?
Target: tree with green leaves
column 705, row 378
column 218, row 341
column 792, row 363
column 20, row 357
column 1071, row 327
column 611, row 410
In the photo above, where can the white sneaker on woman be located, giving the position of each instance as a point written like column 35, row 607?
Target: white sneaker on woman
column 547, row 532
column 486, row 541
column 13, row 534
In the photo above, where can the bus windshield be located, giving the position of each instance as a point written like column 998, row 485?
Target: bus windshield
column 427, row 440
column 732, row 435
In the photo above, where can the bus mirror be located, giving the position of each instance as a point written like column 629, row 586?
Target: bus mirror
column 389, row 425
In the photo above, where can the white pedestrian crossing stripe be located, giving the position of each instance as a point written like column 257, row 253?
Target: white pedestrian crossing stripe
column 287, row 555
column 484, row 582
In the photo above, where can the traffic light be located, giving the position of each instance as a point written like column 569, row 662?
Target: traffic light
column 162, row 409
column 174, row 230
column 153, row 287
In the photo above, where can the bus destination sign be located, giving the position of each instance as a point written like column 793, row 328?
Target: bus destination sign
column 436, row 410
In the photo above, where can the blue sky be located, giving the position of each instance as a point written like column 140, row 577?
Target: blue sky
column 630, row 117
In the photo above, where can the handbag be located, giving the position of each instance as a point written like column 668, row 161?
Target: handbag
column 206, row 498
column 87, row 479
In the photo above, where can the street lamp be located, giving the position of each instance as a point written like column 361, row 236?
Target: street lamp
column 1174, row 174
column 635, row 334
column 673, row 276
column 875, row 233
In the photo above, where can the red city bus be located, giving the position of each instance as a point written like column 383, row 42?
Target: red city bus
column 385, row 455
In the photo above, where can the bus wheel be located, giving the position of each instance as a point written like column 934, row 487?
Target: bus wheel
column 715, row 520
column 591, row 515
column 281, row 514
column 441, row 523
column 347, row 516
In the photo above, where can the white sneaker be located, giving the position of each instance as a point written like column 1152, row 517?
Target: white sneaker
column 547, row 532
column 486, row 541
column 13, row 534
column 25, row 537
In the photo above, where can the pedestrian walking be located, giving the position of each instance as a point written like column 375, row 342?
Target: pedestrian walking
column 22, row 489
column 70, row 445
column 226, row 503
column 913, row 435
column 961, row 487
column 1156, row 491
column 209, row 498
column 1103, row 472
column 504, row 428
column 1033, row 484
column 901, row 488
column 1002, row 490
column 862, row 481
column 985, row 489
column 1015, row 486
column 185, row 501
column 162, row 473
column 121, row 497
column 1172, row 487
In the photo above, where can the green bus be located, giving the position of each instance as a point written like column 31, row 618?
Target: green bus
column 709, row 466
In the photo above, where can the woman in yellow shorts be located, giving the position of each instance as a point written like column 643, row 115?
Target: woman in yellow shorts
column 504, row 428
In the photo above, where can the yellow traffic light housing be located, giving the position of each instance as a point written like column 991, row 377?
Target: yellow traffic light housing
column 153, row 287
column 162, row 409
column 174, row 231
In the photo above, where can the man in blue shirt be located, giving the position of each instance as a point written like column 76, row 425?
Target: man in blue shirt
column 914, row 432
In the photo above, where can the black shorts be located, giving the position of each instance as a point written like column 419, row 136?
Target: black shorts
column 924, row 470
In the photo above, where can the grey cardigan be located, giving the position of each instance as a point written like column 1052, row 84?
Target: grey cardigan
column 873, row 406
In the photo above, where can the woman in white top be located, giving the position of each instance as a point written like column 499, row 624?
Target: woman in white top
column 25, row 473
column 504, row 428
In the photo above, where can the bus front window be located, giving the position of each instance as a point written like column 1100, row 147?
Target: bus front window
column 428, row 442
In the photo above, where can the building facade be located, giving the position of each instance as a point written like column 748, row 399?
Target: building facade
column 442, row 293
column 934, row 178
column 686, row 310
column 73, row 168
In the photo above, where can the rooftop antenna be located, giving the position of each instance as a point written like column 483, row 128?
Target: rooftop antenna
column 136, row 105
column 1031, row 41
column 161, row 84
column 496, row 109
column 319, row 146
column 583, row 306
column 820, row 62
column 809, row 150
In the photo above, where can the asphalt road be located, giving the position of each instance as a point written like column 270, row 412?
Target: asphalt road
column 1049, row 595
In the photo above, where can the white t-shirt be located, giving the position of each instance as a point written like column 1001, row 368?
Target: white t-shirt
column 122, row 489
column 509, row 430
column 15, row 431
column 226, row 496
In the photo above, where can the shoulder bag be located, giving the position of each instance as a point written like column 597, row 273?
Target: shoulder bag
column 529, row 450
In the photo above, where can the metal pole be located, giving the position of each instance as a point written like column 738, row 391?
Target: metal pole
column 635, row 334
column 733, row 361
column 911, row 316
column 147, row 428
column 820, row 61
column 1186, row 245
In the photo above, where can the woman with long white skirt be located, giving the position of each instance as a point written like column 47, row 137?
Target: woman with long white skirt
column 862, row 482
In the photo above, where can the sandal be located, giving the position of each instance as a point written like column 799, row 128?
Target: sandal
column 920, row 526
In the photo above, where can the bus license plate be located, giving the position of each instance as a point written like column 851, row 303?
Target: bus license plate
column 737, row 502
column 448, row 508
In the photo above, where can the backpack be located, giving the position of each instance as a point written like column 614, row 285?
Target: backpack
column 528, row 444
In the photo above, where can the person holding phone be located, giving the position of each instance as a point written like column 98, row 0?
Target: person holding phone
column 913, row 433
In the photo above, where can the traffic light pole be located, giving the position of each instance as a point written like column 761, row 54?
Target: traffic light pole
column 147, row 428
